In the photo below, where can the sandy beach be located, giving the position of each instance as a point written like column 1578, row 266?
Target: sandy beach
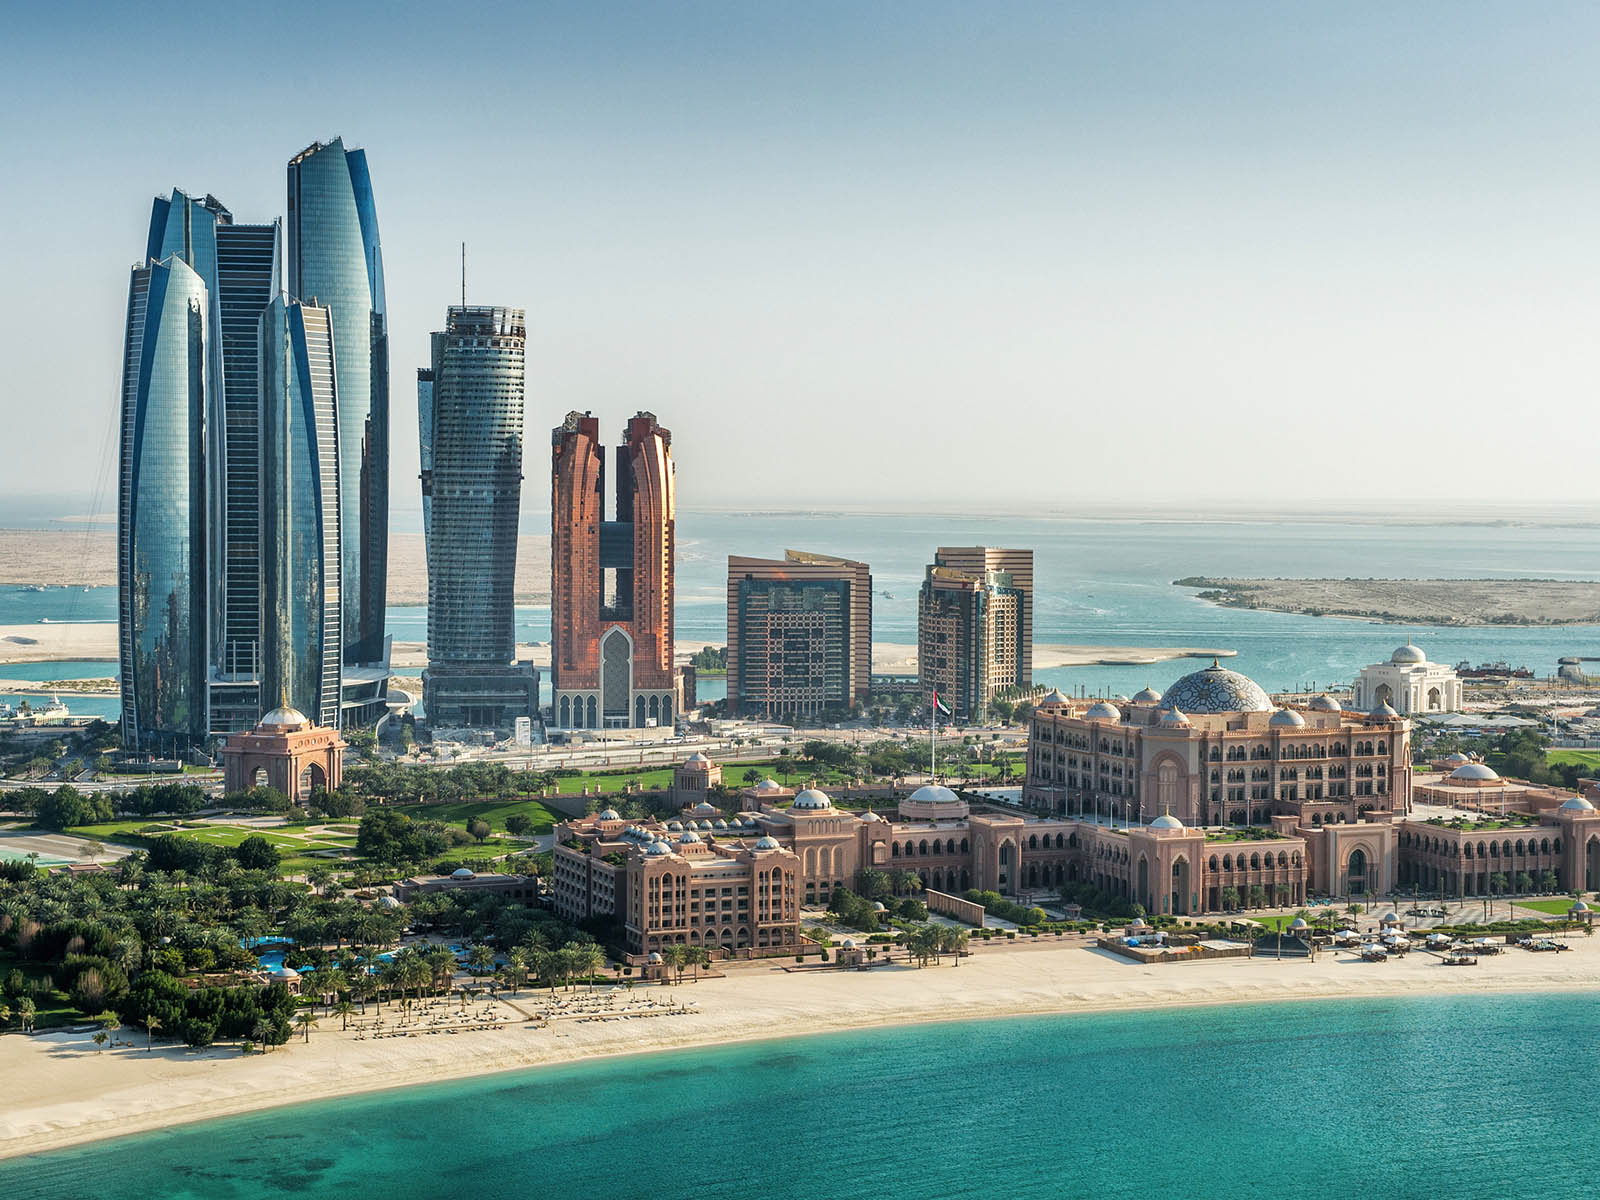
column 63, row 1091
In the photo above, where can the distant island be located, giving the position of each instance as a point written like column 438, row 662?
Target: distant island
column 1413, row 601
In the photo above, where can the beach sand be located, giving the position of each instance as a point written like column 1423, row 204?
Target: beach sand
column 61, row 1090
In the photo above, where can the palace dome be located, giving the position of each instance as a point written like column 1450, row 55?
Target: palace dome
column 697, row 759
column 1147, row 696
column 767, row 786
column 1054, row 696
column 1407, row 654
column 688, row 838
column 767, row 843
column 285, row 716
column 1475, row 773
column 812, row 800
column 609, row 814
column 1173, row 718
column 1325, row 703
column 848, row 944
column 1578, row 804
column 463, row 873
column 1103, row 710
column 1456, row 758
column 1286, row 718
column 933, row 793
column 1166, row 821
column 1384, row 712
column 1217, row 690
column 655, row 848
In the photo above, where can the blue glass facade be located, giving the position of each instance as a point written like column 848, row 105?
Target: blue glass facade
column 300, row 486
column 161, row 527
column 335, row 261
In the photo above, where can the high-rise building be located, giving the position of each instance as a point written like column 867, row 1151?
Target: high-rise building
column 469, row 412
column 161, row 509
column 239, row 266
column 975, row 626
column 799, row 634
column 335, row 262
column 611, row 581
column 300, row 532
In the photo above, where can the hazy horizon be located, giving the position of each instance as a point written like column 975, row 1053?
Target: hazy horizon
column 1039, row 258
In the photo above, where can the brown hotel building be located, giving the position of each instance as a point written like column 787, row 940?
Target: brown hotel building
column 611, row 580
column 799, row 634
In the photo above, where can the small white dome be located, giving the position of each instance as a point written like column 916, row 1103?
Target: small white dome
column 768, row 843
column 768, row 785
column 1475, row 773
column 848, row 944
column 697, row 759
column 1383, row 713
column 719, row 823
column 1103, row 711
column 675, row 826
column 463, row 873
column 285, row 716
column 283, row 972
column 609, row 814
column 705, row 808
column 388, row 902
column 1325, row 703
column 870, row 816
column 655, row 957
column 1147, row 696
column 688, row 837
column 657, row 848
column 1578, row 804
column 1172, row 718
column 1456, row 758
column 933, row 793
column 1286, row 718
column 1055, row 696
column 1408, row 654
column 812, row 800
column 1166, row 821
column 1389, row 918
column 1578, row 906
column 1299, row 923
column 878, row 906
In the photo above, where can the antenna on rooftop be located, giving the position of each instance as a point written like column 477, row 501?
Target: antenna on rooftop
column 463, row 274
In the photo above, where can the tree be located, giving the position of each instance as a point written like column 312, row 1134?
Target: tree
column 516, row 967
column 101, row 1038
column 479, row 958
column 674, row 956
column 1230, row 899
column 151, row 1025
column 478, row 828
column 519, row 824
column 342, row 1010
column 306, row 1019
column 588, row 959
column 255, row 853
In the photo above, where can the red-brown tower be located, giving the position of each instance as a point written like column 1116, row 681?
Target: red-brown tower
column 611, row 580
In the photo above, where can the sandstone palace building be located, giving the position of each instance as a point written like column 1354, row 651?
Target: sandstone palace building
column 611, row 579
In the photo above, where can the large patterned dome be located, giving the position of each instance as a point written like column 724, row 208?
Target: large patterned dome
column 1217, row 690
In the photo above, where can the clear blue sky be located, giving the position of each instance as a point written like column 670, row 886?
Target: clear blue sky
column 910, row 253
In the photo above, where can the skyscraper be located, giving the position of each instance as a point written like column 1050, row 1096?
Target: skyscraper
column 975, row 626
column 239, row 267
column 611, row 581
column 161, row 509
column 799, row 634
column 300, row 493
column 469, row 413
column 335, row 262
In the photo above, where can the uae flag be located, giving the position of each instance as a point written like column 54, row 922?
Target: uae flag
column 939, row 706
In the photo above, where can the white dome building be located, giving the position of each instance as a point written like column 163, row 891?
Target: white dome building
column 1408, row 683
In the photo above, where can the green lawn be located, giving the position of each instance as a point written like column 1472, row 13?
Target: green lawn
column 1584, row 758
column 493, row 811
column 1556, row 908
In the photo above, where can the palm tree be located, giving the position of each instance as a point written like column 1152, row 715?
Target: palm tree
column 306, row 1019
column 516, row 967
column 479, row 958
column 697, row 957
column 262, row 1032
column 5, row 1014
column 151, row 1024
column 674, row 956
column 342, row 1010
column 100, row 1039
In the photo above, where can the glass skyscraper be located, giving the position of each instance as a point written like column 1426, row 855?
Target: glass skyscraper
column 470, row 415
column 161, row 520
column 335, row 262
column 300, row 494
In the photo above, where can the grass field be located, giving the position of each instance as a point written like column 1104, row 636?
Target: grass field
column 298, row 849
column 1556, row 908
column 1584, row 758
column 493, row 811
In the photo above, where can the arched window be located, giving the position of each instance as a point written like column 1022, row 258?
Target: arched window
column 894, row 850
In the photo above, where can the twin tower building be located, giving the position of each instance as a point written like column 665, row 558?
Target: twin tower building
column 253, row 496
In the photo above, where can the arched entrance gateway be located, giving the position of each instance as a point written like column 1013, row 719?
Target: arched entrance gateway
column 285, row 751
column 1180, row 887
column 1591, row 863
column 1356, row 872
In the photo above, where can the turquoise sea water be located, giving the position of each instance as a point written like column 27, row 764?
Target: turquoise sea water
column 1097, row 582
column 1371, row 1099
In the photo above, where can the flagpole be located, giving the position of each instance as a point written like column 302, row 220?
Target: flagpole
column 933, row 736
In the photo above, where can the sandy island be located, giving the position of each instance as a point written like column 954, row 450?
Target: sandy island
column 62, row 1091
column 1413, row 601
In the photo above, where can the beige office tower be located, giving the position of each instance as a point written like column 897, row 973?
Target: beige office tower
column 975, row 626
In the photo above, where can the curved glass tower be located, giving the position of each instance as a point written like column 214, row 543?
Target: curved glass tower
column 161, row 526
column 300, row 511
column 335, row 263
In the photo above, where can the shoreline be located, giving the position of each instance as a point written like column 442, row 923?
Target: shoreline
column 68, row 1093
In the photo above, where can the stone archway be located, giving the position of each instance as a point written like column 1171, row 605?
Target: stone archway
column 1435, row 700
column 1180, row 886
column 1383, row 694
column 1591, row 863
column 1356, row 872
column 1142, row 891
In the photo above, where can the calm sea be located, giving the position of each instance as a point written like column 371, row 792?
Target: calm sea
column 1450, row 1096
column 1100, row 582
